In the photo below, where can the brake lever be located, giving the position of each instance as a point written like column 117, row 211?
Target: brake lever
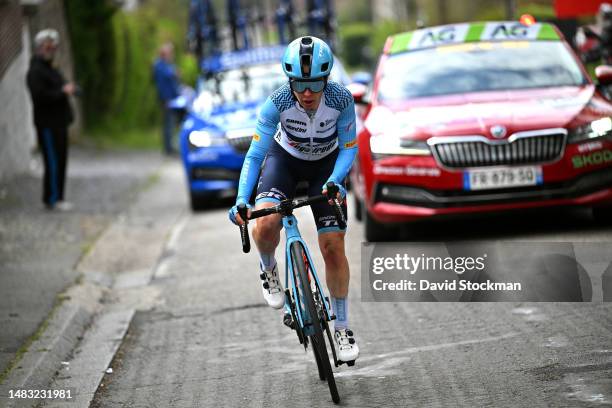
column 244, row 229
column 332, row 191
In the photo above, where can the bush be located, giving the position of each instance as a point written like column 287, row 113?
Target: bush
column 362, row 43
column 92, row 37
column 113, row 56
column 355, row 40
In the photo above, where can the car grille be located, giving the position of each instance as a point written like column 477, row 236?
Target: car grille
column 520, row 148
column 242, row 143
column 205, row 173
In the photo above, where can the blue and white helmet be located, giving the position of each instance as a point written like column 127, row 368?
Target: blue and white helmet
column 307, row 58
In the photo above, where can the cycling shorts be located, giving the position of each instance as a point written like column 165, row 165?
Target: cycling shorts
column 281, row 174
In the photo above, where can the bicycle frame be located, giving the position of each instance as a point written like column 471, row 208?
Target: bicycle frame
column 292, row 232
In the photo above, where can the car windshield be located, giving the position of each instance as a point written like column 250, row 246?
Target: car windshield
column 478, row 67
column 247, row 84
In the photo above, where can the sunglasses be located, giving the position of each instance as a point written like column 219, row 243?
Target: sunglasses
column 315, row 86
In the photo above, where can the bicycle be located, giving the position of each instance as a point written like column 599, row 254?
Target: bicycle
column 307, row 310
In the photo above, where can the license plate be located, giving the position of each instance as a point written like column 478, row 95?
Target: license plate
column 502, row 177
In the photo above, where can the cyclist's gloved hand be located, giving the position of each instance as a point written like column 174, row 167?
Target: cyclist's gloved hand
column 341, row 191
column 233, row 212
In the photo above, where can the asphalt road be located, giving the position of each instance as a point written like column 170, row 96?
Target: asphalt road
column 202, row 336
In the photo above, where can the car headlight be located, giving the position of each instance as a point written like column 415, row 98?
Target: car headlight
column 598, row 128
column 390, row 145
column 200, row 138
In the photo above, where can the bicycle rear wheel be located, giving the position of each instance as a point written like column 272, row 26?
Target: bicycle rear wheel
column 301, row 275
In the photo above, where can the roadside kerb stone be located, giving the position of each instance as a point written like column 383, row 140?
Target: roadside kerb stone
column 134, row 242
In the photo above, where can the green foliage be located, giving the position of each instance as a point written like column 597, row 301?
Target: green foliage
column 497, row 13
column 384, row 29
column 362, row 43
column 113, row 56
column 539, row 11
column 359, row 11
column 145, row 137
column 355, row 37
column 91, row 31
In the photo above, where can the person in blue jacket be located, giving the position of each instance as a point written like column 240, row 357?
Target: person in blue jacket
column 305, row 132
column 168, row 88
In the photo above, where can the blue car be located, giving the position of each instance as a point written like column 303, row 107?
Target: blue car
column 221, row 118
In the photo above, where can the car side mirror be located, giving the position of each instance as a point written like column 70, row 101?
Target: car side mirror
column 604, row 75
column 359, row 92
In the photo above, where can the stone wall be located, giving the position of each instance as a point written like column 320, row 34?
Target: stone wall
column 17, row 136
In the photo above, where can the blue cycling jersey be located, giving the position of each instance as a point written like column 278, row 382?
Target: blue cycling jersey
column 304, row 136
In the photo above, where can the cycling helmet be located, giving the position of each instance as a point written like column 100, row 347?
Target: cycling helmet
column 307, row 58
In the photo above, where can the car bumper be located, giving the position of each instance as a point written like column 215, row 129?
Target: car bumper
column 590, row 190
column 439, row 193
column 215, row 169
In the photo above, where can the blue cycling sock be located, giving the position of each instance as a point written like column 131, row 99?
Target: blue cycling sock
column 267, row 260
column 340, row 309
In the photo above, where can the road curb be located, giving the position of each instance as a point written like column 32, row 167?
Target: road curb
column 92, row 357
column 63, row 331
column 125, row 255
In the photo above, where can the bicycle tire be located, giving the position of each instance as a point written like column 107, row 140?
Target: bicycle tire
column 316, row 339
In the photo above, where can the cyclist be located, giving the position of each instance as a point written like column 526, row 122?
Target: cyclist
column 305, row 132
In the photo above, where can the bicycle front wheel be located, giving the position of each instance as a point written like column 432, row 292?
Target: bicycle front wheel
column 301, row 274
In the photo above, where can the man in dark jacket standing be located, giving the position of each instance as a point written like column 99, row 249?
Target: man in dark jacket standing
column 52, row 115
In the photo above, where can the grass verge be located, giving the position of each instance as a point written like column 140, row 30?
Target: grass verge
column 128, row 139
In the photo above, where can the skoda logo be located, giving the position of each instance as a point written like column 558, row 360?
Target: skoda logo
column 498, row 131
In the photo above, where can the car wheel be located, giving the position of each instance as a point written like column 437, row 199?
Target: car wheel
column 603, row 215
column 374, row 230
column 199, row 202
column 358, row 208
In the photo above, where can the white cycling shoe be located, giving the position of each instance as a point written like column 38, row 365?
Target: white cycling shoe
column 272, row 289
column 348, row 351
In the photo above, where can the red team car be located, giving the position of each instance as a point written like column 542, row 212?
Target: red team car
column 481, row 117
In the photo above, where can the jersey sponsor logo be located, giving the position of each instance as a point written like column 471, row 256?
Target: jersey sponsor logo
column 315, row 149
column 296, row 129
column 326, row 130
column 256, row 137
column 296, row 122
column 350, row 144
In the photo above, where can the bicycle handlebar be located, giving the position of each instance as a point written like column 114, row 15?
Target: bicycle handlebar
column 289, row 205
